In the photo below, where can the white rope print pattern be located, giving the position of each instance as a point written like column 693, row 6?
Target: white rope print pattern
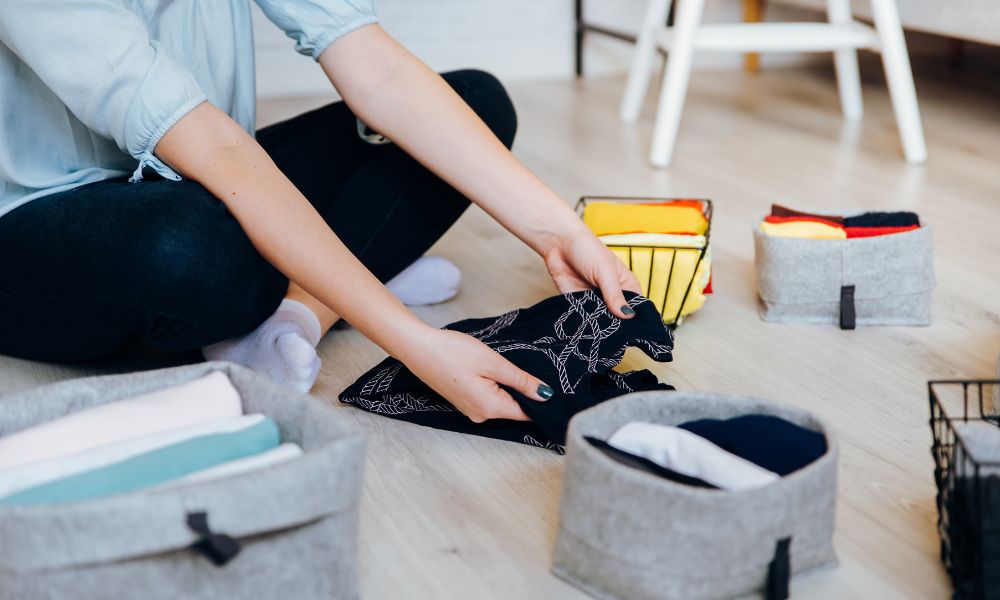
column 395, row 404
column 400, row 404
column 584, row 343
column 531, row 441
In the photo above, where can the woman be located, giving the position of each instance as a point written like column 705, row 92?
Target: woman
column 251, row 247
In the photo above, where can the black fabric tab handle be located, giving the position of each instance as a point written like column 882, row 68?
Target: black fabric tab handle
column 216, row 547
column 779, row 572
column 847, row 312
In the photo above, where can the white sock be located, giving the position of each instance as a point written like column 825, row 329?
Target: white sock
column 283, row 348
column 429, row 280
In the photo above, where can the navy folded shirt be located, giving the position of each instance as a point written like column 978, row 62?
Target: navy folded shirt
column 770, row 442
column 883, row 219
column 571, row 342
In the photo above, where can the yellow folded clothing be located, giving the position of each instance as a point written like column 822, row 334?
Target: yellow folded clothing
column 616, row 217
column 804, row 229
column 660, row 240
column 656, row 268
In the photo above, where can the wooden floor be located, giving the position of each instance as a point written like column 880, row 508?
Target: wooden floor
column 449, row 516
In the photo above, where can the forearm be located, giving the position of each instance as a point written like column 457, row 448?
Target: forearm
column 400, row 97
column 208, row 147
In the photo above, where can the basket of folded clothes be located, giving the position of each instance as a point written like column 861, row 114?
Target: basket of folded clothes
column 867, row 268
column 205, row 481
column 695, row 496
column 663, row 241
column 965, row 425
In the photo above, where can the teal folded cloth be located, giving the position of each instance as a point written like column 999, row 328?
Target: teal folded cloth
column 154, row 467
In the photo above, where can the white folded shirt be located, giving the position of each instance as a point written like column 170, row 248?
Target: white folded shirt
column 982, row 442
column 19, row 478
column 205, row 399
column 668, row 240
column 690, row 454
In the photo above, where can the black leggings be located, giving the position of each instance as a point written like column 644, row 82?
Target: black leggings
column 88, row 272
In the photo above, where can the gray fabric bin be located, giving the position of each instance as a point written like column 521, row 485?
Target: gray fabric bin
column 297, row 521
column 628, row 535
column 803, row 280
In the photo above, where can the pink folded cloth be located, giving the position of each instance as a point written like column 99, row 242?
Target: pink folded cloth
column 207, row 398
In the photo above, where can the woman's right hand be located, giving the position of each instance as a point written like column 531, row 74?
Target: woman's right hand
column 467, row 373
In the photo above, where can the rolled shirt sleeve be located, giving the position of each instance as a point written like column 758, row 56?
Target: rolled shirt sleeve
column 315, row 24
column 98, row 58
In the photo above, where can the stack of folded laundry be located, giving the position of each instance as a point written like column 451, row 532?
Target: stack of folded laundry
column 191, row 432
column 735, row 454
column 664, row 243
column 786, row 222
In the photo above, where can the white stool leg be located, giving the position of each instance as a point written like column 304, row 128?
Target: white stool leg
column 642, row 61
column 896, row 62
column 675, row 80
column 846, row 63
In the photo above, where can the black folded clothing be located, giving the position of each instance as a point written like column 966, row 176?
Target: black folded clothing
column 883, row 219
column 769, row 442
column 571, row 342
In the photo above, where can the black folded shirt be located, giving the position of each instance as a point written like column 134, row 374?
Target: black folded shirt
column 571, row 342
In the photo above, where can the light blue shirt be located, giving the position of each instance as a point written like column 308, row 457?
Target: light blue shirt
column 88, row 87
column 157, row 466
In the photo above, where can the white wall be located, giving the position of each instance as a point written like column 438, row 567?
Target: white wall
column 514, row 39
column 976, row 20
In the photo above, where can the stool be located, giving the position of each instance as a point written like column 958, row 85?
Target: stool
column 842, row 35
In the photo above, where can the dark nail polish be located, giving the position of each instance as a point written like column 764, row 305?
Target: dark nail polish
column 628, row 310
column 545, row 391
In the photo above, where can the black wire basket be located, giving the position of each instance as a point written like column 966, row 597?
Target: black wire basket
column 636, row 257
column 968, row 490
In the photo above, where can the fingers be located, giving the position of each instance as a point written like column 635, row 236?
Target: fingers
column 630, row 282
column 611, row 290
column 505, row 407
column 508, row 374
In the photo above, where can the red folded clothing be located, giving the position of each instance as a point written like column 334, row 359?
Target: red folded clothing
column 800, row 218
column 778, row 210
column 696, row 204
column 861, row 232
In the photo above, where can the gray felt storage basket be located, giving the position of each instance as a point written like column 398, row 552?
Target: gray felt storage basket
column 296, row 522
column 882, row 280
column 629, row 535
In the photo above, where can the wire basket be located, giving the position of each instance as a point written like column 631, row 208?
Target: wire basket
column 665, row 280
column 968, row 490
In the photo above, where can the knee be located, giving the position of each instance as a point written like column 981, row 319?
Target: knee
column 487, row 97
column 205, row 270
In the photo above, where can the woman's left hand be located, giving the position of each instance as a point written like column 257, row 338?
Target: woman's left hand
column 580, row 261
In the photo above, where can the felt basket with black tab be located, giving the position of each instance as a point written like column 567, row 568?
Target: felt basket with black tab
column 881, row 280
column 625, row 533
column 286, row 531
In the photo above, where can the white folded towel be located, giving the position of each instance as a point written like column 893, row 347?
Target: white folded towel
column 207, row 398
column 690, row 454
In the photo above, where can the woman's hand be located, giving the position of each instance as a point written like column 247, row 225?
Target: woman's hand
column 580, row 261
column 467, row 373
